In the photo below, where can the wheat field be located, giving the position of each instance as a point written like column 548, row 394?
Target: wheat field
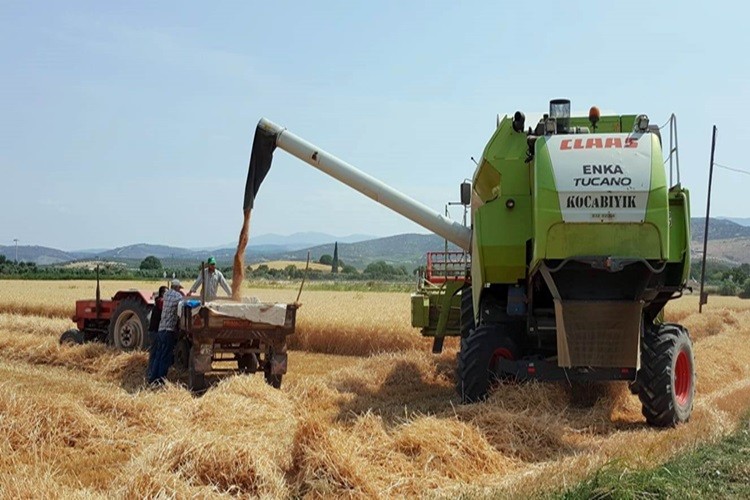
column 364, row 412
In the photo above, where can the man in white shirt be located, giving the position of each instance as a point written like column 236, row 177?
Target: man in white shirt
column 214, row 278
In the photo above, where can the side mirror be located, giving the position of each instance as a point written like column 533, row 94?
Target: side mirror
column 466, row 193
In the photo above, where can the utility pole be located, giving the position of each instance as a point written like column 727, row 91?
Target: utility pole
column 16, row 241
column 704, row 296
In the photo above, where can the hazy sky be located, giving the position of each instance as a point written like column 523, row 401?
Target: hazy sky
column 127, row 122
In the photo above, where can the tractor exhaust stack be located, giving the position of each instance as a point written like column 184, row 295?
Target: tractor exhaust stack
column 268, row 135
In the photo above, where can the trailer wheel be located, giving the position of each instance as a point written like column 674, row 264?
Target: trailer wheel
column 128, row 328
column 467, row 311
column 71, row 337
column 196, row 379
column 478, row 359
column 182, row 355
column 666, row 380
column 247, row 363
column 272, row 380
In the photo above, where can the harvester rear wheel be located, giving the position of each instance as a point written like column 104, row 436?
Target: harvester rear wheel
column 128, row 328
column 72, row 337
column 666, row 380
column 467, row 323
column 478, row 359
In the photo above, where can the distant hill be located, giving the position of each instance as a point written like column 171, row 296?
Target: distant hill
column 305, row 240
column 718, row 229
column 402, row 249
column 729, row 241
column 37, row 254
column 742, row 221
column 266, row 243
column 732, row 251
column 143, row 250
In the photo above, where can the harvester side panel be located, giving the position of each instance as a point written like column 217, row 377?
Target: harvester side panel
column 501, row 211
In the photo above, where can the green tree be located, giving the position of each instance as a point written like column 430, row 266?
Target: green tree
column 2, row 259
column 292, row 272
column 150, row 263
column 745, row 294
column 383, row 270
column 348, row 269
column 326, row 259
column 335, row 261
column 728, row 288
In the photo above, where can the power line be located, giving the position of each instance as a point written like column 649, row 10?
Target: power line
column 746, row 172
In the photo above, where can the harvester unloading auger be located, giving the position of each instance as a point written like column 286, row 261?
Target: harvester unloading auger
column 577, row 243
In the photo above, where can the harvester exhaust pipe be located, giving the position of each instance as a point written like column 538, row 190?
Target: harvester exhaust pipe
column 268, row 136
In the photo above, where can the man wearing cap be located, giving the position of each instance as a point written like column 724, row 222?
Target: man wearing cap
column 214, row 278
column 166, row 337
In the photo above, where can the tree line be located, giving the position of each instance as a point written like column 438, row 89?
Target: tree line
column 152, row 268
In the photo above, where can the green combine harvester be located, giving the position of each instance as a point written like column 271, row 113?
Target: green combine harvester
column 578, row 240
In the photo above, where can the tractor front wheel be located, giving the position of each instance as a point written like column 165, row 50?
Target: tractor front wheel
column 128, row 328
column 478, row 360
column 666, row 380
column 72, row 337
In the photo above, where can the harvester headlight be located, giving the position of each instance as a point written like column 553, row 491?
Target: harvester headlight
column 641, row 123
column 550, row 126
column 510, row 203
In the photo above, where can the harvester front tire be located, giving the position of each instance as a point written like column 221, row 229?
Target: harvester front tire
column 666, row 380
column 477, row 360
column 128, row 328
column 467, row 323
column 72, row 337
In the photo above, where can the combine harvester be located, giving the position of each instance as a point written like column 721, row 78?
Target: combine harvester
column 577, row 243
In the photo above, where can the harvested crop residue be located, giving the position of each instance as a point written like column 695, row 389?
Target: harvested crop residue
column 75, row 422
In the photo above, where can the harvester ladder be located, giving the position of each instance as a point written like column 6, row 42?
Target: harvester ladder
column 674, row 153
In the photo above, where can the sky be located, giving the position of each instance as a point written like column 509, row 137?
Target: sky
column 132, row 122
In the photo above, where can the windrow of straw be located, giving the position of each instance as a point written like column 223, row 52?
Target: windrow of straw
column 79, row 421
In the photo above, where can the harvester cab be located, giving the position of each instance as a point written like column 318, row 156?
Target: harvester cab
column 577, row 241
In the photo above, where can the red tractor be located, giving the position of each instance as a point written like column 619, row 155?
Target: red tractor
column 121, row 322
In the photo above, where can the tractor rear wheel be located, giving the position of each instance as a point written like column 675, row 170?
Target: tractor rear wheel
column 128, row 328
column 467, row 311
column 72, row 337
column 478, row 360
column 666, row 380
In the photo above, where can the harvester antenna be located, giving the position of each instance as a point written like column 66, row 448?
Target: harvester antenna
column 475, row 162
